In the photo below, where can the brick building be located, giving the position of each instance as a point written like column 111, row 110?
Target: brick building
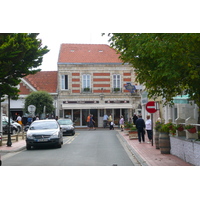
column 91, row 79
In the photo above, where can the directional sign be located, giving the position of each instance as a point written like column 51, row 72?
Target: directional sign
column 151, row 107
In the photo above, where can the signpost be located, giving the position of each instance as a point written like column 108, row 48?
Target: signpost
column 151, row 107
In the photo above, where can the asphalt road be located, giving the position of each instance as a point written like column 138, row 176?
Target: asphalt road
column 85, row 148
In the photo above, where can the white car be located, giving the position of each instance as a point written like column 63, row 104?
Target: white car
column 44, row 132
column 17, row 125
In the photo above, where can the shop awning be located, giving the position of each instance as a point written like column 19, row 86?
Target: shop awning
column 96, row 106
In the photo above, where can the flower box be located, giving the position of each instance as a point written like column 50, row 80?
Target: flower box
column 192, row 130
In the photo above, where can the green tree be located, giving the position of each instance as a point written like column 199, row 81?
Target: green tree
column 167, row 64
column 20, row 55
column 39, row 99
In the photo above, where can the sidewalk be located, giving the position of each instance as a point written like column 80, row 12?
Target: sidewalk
column 16, row 146
column 148, row 155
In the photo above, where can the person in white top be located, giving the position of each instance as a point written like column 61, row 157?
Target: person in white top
column 148, row 128
column 121, row 122
column 19, row 119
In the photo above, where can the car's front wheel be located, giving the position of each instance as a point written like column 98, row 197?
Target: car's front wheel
column 14, row 131
column 28, row 146
column 59, row 145
column 18, row 129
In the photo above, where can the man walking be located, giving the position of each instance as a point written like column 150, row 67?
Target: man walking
column 140, row 125
column 105, row 120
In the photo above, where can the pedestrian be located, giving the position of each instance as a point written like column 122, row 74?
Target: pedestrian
column 110, row 119
column 134, row 118
column 29, row 120
column 88, row 121
column 105, row 120
column 148, row 128
column 140, row 125
column 92, row 122
column 112, row 125
column 121, row 122
column 19, row 119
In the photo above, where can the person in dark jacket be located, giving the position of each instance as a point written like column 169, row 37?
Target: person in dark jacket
column 134, row 118
column 140, row 125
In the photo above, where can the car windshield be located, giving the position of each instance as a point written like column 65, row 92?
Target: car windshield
column 65, row 121
column 43, row 125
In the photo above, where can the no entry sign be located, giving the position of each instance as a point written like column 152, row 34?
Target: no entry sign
column 151, row 107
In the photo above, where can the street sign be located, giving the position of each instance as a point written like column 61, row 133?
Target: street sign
column 151, row 107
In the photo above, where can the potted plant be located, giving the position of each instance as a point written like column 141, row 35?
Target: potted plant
column 168, row 128
column 86, row 89
column 116, row 89
column 164, row 140
column 191, row 128
column 128, row 125
column 157, row 127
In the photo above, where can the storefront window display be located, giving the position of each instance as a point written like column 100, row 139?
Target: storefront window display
column 68, row 114
column 76, row 117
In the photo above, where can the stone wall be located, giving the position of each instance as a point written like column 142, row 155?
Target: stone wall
column 188, row 151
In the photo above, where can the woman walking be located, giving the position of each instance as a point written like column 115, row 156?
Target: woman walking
column 121, row 122
column 148, row 128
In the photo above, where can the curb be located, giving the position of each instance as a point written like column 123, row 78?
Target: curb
column 132, row 150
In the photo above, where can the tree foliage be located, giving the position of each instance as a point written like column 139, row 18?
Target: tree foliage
column 39, row 99
column 168, row 64
column 20, row 55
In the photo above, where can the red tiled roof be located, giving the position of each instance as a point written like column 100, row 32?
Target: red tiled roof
column 43, row 80
column 87, row 53
column 23, row 89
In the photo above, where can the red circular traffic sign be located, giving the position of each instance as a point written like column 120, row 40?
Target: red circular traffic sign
column 151, row 107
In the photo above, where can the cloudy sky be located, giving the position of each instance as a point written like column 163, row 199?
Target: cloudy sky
column 54, row 40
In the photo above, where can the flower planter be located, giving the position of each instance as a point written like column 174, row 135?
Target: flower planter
column 164, row 143
column 157, row 139
column 180, row 128
column 192, row 130
column 133, row 134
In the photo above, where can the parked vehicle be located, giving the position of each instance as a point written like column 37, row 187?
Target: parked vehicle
column 67, row 126
column 13, row 128
column 44, row 132
column 19, row 126
column 26, row 127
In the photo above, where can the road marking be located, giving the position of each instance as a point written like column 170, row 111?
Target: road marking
column 71, row 139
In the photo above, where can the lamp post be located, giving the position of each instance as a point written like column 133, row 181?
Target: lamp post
column 9, row 142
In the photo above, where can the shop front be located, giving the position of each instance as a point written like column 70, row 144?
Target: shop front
column 79, row 112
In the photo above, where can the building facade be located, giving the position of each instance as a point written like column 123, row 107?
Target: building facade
column 92, row 79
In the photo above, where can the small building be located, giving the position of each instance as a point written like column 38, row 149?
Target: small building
column 41, row 81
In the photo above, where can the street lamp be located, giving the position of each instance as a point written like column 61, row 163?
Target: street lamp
column 9, row 142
